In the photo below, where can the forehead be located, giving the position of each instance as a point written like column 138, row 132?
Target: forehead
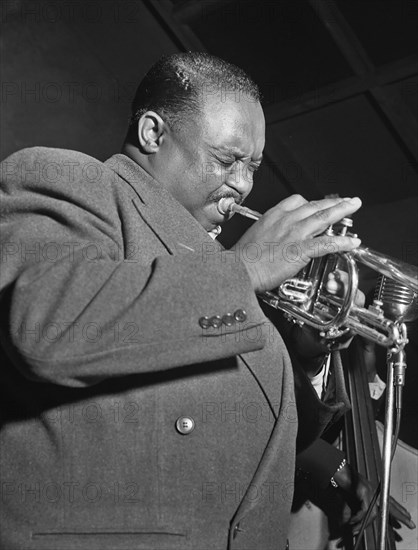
column 236, row 122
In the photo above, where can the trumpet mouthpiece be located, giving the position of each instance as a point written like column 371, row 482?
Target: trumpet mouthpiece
column 225, row 205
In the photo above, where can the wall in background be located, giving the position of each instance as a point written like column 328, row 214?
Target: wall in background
column 69, row 71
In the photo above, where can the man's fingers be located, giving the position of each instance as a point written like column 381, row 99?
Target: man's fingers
column 285, row 206
column 346, row 514
column 302, row 209
column 315, row 208
column 395, row 523
column 297, row 240
column 362, row 512
column 321, row 246
column 320, row 218
column 358, row 518
column 401, row 514
column 291, row 203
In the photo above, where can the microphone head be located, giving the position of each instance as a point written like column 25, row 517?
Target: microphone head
column 399, row 302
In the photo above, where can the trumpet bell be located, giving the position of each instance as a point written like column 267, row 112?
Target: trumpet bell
column 307, row 298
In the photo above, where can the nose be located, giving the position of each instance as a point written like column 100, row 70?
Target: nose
column 241, row 180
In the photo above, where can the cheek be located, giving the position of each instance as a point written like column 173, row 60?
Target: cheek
column 248, row 177
column 198, row 169
column 212, row 175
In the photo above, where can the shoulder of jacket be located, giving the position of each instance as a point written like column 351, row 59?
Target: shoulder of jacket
column 52, row 169
column 49, row 154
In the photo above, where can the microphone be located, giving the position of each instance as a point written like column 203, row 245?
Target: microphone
column 399, row 303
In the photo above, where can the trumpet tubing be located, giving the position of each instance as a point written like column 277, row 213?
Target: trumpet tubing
column 305, row 298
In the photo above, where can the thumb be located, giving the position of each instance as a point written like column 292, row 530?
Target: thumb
column 346, row 514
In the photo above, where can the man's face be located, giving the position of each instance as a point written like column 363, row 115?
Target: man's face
column 215, row 155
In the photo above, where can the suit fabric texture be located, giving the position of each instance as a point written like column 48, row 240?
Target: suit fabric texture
column 104, row 280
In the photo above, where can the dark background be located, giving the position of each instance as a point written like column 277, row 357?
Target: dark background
column 339, row 80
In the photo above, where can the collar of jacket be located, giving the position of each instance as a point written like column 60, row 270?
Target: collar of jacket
column 176, row 228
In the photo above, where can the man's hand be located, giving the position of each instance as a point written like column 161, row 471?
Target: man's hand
column 289, row 235
column 358, row 493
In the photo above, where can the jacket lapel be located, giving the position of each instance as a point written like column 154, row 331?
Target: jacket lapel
column 175, row 227
column 180, row 233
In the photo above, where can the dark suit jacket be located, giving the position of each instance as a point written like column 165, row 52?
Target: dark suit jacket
column 104, row 280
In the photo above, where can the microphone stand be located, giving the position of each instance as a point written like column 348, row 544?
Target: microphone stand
column 396, row 366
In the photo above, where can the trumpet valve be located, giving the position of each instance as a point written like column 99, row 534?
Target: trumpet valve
column 377, row 307
column 345, row 224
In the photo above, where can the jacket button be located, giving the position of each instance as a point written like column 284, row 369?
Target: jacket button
column 228, row 319
column 204, row 322
column 240, row 315
column 184, row 425
column 215, row 321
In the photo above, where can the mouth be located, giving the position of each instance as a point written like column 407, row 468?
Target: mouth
column 225, row 206
column 220, row 208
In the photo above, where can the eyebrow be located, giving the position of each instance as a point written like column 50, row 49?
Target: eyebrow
column 237, row 152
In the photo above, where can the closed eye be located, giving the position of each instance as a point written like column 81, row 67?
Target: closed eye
column 227, row 162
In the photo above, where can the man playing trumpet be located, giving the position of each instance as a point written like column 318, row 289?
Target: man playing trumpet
column 140, row 410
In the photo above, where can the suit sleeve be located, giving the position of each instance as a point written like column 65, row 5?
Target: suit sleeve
column 319, row 462
column 74, row 313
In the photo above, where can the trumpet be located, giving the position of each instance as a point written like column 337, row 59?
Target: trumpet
column 310, row 297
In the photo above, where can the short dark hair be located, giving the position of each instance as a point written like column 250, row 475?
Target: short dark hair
column 172, row 86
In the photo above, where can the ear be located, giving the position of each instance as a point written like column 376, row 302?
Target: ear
column 151, row 130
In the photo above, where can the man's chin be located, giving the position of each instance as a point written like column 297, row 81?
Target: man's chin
column 210, row 226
